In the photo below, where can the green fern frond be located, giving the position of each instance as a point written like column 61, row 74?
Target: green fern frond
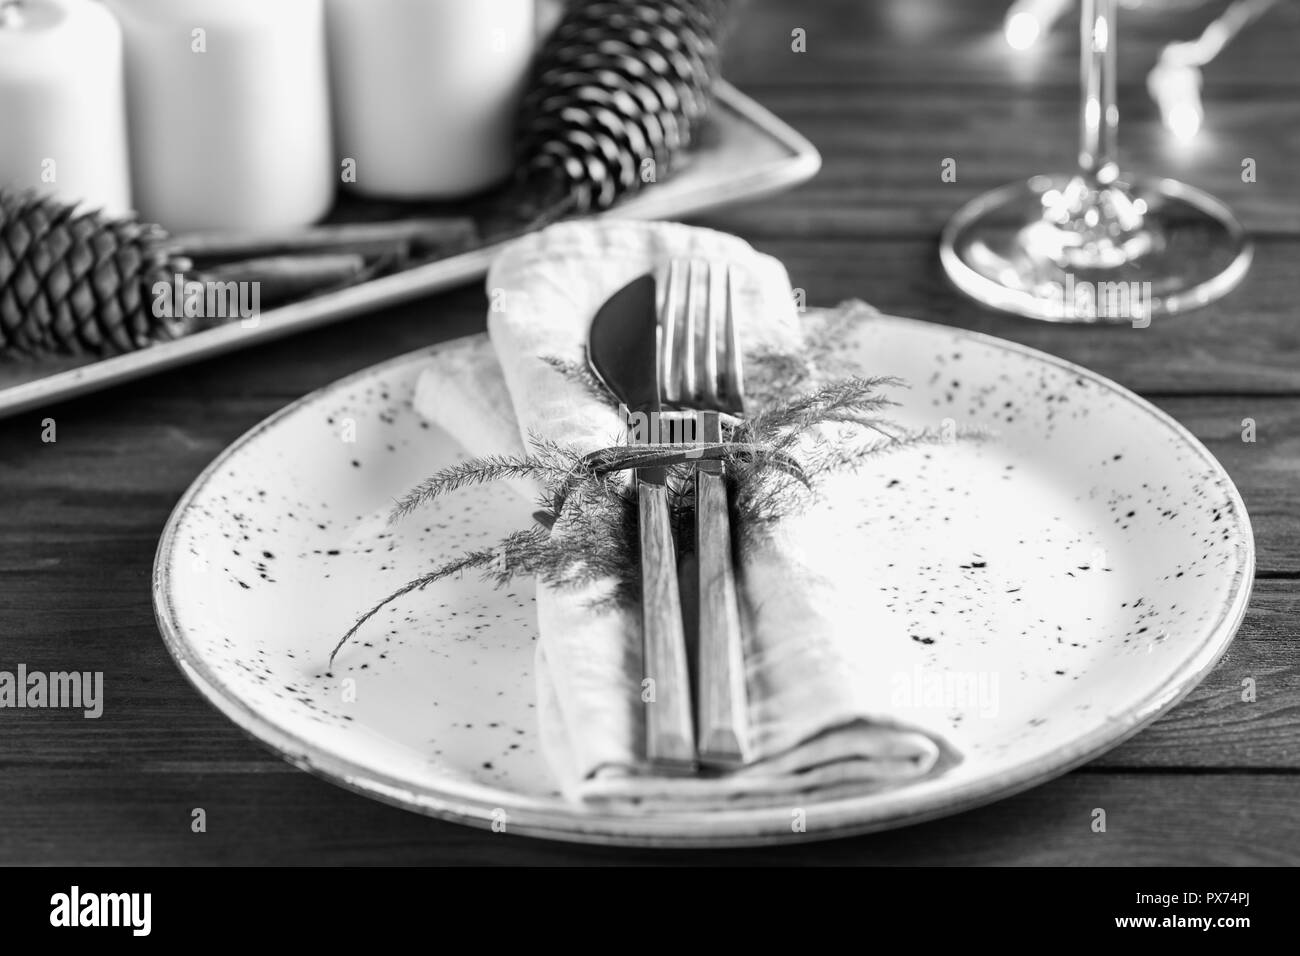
column 586, row 529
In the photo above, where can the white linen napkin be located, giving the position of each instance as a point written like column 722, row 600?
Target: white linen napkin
column 819, row 686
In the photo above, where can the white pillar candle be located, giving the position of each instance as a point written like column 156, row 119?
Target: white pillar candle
column 229, row 112
column 62, row 114
column 425, row 91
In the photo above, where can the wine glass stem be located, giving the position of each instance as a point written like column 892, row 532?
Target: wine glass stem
column 1100, row 114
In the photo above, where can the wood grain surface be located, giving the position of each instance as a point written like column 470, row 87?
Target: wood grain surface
column 721, row 648
column 887, row 90
column 669, row 723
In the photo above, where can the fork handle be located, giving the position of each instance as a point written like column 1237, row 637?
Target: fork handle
column 670, row 732
column 723, row 704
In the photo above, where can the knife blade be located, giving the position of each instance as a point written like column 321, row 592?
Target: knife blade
column 623, row 352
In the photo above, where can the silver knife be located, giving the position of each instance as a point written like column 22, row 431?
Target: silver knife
column 623, row 352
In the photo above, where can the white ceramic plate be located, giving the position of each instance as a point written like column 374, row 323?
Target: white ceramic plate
column 1062, row 586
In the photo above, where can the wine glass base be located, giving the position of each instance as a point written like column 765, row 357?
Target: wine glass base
column 1001, row 249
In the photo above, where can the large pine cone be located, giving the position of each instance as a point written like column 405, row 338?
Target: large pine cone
column 617, row 91
column 79, row 282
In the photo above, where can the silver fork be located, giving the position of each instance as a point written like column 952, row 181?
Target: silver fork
column 702, row 370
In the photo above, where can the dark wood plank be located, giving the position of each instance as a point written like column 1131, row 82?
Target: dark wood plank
column 75, row 816
column 883, row 153
column 949, row 44
column 1246, row 344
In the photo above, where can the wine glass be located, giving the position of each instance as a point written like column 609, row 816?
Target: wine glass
column 1092, row 245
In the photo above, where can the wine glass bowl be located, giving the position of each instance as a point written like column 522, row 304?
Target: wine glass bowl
column 1118, row 254
column 1094, row 246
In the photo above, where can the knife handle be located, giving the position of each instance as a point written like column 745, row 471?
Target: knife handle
column 723, row 701
column 670, row 733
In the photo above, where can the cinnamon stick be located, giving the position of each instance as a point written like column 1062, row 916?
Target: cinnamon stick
column 399, row 239
column 285, row 278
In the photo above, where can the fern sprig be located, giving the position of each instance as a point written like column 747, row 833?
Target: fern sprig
column 587, row 522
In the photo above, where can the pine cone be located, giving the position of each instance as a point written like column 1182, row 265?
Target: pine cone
column 80, row 282
column 617, row 83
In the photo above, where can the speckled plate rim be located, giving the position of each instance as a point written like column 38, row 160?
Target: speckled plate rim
column 842, row 817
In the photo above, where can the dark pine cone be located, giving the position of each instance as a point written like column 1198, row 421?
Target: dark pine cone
column 617, row 91
column 79, row 282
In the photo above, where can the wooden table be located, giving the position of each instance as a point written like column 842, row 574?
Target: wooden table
column 887, row 90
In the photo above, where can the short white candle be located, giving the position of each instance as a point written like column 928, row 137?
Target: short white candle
column 229, row 112
column 62, row 115
column 425, row 91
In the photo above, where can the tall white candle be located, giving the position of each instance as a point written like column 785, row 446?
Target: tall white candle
column 229, row 112
column 425, row 91
column 62, row 118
